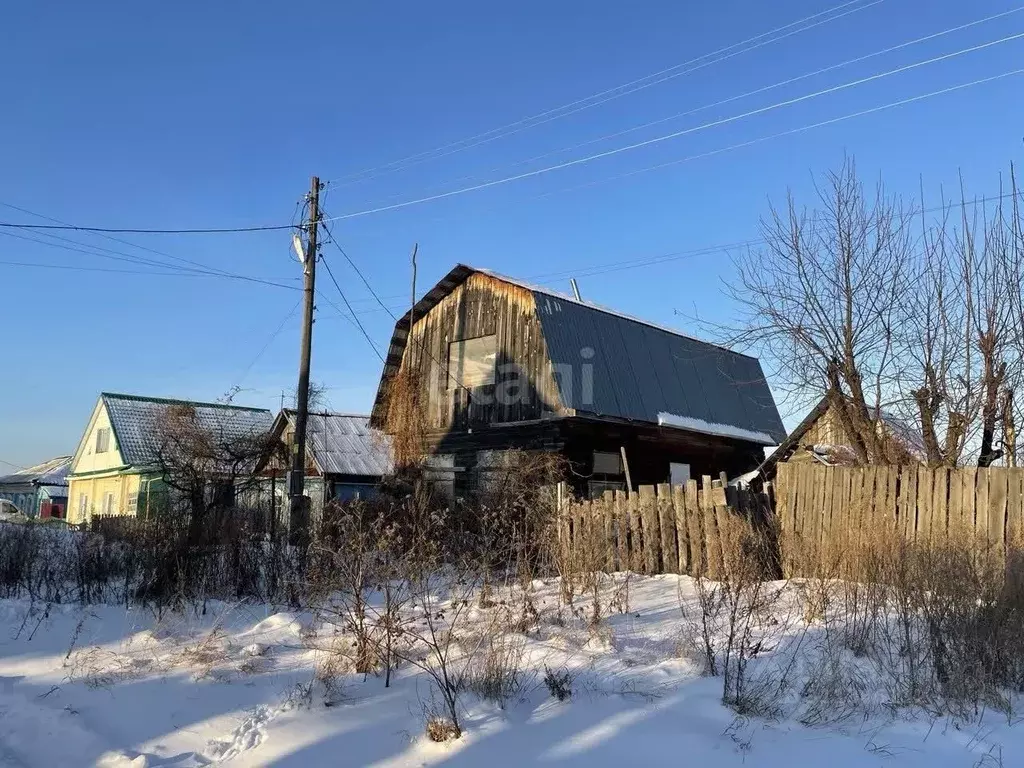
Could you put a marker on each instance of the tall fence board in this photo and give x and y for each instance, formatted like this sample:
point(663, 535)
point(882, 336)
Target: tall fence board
point(815, 503)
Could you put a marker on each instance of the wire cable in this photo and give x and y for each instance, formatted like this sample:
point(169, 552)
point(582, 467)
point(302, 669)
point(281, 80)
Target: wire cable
point(738, 97)
point(354, 316)
point(676, 134)
point(600, 97)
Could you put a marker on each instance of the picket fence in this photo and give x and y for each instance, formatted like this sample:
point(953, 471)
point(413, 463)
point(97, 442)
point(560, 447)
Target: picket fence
point(658, 529)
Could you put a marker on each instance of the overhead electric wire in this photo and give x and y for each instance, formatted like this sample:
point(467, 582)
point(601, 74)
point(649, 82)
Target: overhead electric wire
point(142, 231)
point(355, 317)
point(677, 134)
point(266, 346)
point(602, 96)
point(170, 270)
point(793, 131)
point(738, 97)
point(105, 236)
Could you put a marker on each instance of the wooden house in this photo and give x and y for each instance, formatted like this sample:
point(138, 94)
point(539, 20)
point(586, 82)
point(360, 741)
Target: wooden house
point(115, 470)
point(821, 438)
point(499, 364)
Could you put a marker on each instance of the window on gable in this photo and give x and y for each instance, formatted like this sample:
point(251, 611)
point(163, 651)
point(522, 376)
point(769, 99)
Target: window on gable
point(471, 362)
point(102, 440)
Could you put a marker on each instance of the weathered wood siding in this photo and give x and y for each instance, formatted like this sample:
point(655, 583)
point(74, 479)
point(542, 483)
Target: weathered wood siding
point(524, 387)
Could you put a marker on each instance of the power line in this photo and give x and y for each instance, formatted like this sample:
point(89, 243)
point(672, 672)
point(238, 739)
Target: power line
point(738, 97)
point(355, 317)
point(172, 270)
point(137, 231)
point(358, 271)
point(266, 346)
point(12, 464)
point(675, 134)
point(605, 95)
point(793, 131)
point(147, 249)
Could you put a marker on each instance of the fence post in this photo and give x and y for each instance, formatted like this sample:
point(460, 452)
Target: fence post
point(712, 542)
point(666, 516)
point(694, 526)
point(682, 533)
point(651, 535)
point(607, 519)
point(621, 502)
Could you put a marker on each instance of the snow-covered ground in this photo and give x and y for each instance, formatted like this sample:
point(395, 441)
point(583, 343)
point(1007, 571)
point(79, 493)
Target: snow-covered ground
point(109, 686)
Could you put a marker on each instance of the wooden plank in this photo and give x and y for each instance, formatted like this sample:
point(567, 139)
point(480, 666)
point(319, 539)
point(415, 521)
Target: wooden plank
point(925, 476)
point(636, 552)
point(621, 530)
point(997, 493)
point(940, 502)
point(649, 525)
point(1015, 508)
point(980, 531)
point(712, 543)
point(956, 504)
point(667, 519)
point(682, 532)
point(608, 519)
point(694, 530)
point(969, 501)
point(828, 482)
point(889, 511)
point(855, 517)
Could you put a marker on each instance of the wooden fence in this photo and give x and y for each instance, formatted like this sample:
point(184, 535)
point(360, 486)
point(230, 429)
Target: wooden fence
point(658, 529)
point(815, 503)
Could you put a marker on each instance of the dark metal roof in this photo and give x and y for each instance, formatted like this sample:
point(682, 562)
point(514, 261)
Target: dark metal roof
point(640, 371)
point(344, 444)
point(646, 373)
point(52, 472)
point(135, 421)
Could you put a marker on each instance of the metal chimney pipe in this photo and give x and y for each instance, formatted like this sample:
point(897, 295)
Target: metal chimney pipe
point(575, 288)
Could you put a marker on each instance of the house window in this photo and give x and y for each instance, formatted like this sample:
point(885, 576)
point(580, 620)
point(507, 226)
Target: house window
point(607, 463)
point(83, 505)
point(471, 362)
point(102, 440)
point(678, 474)
point(133, 503)
point(108, 503)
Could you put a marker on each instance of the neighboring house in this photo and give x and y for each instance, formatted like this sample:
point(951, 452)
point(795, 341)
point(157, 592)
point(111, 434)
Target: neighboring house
point(345, 458)
point(501, 364)
point(821, 438)
point(39, 491)
point(115, 469)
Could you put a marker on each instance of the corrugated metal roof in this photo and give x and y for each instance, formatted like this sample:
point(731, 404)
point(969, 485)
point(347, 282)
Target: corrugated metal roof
point(135, 421)
point(344, 444)
point(639, 369)
point(52, 472)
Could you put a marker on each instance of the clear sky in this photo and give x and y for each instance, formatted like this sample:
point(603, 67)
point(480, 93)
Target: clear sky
point(189, 114)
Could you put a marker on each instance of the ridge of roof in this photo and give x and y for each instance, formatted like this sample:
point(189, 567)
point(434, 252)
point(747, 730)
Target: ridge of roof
point(173, 401)
point(600, 308)
point(339, 414)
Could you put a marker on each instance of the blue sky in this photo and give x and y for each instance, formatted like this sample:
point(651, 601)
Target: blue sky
point(195, 114)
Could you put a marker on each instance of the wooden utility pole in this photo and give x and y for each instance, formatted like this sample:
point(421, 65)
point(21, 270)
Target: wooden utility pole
point(298, 520)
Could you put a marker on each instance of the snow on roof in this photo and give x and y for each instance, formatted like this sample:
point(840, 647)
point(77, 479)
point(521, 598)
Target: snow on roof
point(135, 419)
point(52, 472)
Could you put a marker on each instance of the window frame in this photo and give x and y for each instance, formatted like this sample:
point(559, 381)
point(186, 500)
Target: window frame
point(83, 504)
point(103, 432)
point(108, 503)
point(618, 463)
point(459, 381)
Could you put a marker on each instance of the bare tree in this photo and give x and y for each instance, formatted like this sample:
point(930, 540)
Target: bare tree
point(821, 299)
point(927, 323)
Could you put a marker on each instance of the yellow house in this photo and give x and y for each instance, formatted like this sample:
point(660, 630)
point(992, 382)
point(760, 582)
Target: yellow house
point(114, 469)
